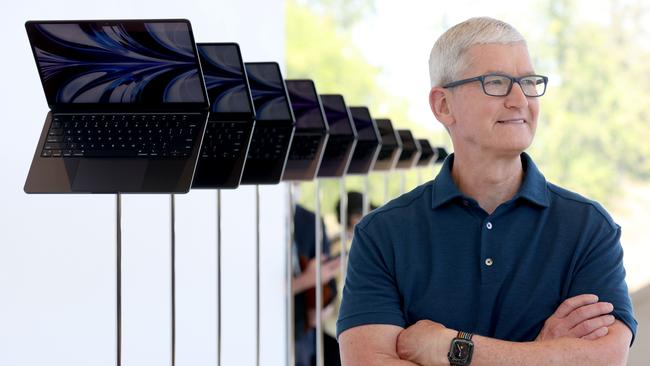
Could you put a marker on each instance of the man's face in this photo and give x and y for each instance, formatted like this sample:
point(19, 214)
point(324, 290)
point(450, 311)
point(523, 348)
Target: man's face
point(487, 124)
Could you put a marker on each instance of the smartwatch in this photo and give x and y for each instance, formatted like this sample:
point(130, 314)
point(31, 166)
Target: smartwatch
point(461, 350)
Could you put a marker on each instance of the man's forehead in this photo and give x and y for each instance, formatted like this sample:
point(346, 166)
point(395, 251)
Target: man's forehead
point(511, 58)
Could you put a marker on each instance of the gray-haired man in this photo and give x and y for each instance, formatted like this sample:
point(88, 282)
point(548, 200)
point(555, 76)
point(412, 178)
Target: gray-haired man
point(489, 247)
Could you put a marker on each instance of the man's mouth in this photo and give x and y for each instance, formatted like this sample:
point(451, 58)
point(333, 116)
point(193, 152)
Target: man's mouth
point(514, 121)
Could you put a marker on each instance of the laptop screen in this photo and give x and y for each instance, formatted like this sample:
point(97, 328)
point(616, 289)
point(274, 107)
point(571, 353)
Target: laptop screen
point(269, 94)
point(364, 123)
point(386, 131)
point(305, 104)
point(225, 78)
point(135, 62)
point(408, 143)
point(338, 117)
point(427, 152)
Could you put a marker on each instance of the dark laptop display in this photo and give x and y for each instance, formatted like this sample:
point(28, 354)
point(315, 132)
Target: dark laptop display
point(428, 154)
point(442, 155)
point(369, 143)
point(410, 150)
point(274, 128)
point(311, 134)
point(128, 106)
point(342, 140)
point(391, 146)
point(231, 119)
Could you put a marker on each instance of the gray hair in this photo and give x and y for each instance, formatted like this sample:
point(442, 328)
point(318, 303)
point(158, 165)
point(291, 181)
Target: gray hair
point(446, 61)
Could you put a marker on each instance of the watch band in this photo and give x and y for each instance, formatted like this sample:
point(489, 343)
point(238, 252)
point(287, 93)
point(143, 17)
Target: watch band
point(464, 335)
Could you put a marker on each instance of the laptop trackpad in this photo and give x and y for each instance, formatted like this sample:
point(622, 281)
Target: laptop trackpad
point(109, 175)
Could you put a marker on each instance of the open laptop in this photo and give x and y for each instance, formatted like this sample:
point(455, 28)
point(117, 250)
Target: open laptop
point(231, 119)
point(391, 146)
point(312, 131)
point(410, 150)
point(442, 155)
point(128, 106)
point(342, 140)
point(274, 126)
point(428, 155)
point(369, 143)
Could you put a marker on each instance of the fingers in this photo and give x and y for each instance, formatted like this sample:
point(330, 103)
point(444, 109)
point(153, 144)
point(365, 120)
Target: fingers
point(600, 332)
point(573, 303)
point(591, 326)
point(587, 312)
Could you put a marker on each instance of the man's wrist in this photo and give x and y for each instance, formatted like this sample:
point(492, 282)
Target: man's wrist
point(443, 346)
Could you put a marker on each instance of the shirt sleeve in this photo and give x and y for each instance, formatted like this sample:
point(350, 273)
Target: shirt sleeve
point(370, 295)
point(601, 272)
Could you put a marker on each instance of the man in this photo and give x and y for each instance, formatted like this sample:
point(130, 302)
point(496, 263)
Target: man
point(488, 264)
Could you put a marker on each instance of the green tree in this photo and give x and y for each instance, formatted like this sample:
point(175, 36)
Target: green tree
point(319, 46)
point(594, 126)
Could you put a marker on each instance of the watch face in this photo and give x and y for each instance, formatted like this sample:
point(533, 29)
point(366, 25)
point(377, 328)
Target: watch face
point(461, 351)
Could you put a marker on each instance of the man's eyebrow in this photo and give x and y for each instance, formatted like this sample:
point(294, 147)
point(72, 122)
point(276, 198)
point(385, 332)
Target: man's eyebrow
point(525, 73)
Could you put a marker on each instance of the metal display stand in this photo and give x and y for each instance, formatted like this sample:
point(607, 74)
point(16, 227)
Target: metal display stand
point(257, 274)
point(218, 277)
point(386, 192)
point(343, 211)
point(319, 287)
point(118, 279)
point(291, 342)
point(366, 191)
point(172, 201)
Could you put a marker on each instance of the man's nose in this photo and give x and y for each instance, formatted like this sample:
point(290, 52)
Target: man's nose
point(516, 98)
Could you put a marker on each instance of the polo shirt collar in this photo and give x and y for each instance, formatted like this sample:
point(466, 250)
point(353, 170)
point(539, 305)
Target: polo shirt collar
point(533, 188)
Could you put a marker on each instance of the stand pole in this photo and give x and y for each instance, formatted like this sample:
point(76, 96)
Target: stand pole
point(386, 193)
point(344, 230)
point(173, 278)
point(319, 287)
point(118, 279)
point(291, 342)
point(366, 190)
point(218, 277)
point(257, 274)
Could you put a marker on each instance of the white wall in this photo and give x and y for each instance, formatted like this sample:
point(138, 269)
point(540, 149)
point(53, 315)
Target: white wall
point(640, 352)
point(57, 252)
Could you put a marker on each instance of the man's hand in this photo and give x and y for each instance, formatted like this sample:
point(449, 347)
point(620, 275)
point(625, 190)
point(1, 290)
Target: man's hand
point(425, 343)
point(307, 278)
point(581, 316)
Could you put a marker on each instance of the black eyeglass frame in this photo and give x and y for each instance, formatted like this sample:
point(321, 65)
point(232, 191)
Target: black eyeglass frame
point(513, 80)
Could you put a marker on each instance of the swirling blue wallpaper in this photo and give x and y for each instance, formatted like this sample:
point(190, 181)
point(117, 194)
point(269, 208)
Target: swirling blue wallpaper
point(268, 92)
point(147, 63)
point(305, 105)
point(337, 114)
point(224, 78)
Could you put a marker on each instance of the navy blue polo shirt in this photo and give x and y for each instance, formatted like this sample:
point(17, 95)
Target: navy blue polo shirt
point(434, 254)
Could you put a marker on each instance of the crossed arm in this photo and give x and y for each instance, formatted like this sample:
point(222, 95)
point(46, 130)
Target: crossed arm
point(580, 332)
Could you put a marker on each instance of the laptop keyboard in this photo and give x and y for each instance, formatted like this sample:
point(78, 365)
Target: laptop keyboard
point(268, 143)
point(223, 140)
point(304, 147)
point(122, 135)
point(336, 148)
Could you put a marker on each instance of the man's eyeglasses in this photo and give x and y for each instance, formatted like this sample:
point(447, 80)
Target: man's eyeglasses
point(499, 85)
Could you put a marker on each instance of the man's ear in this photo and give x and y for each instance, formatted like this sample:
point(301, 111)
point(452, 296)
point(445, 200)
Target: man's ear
point(439, 103)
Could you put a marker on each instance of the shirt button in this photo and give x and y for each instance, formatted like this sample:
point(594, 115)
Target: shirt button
point(489, 262)
point(489, 225)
